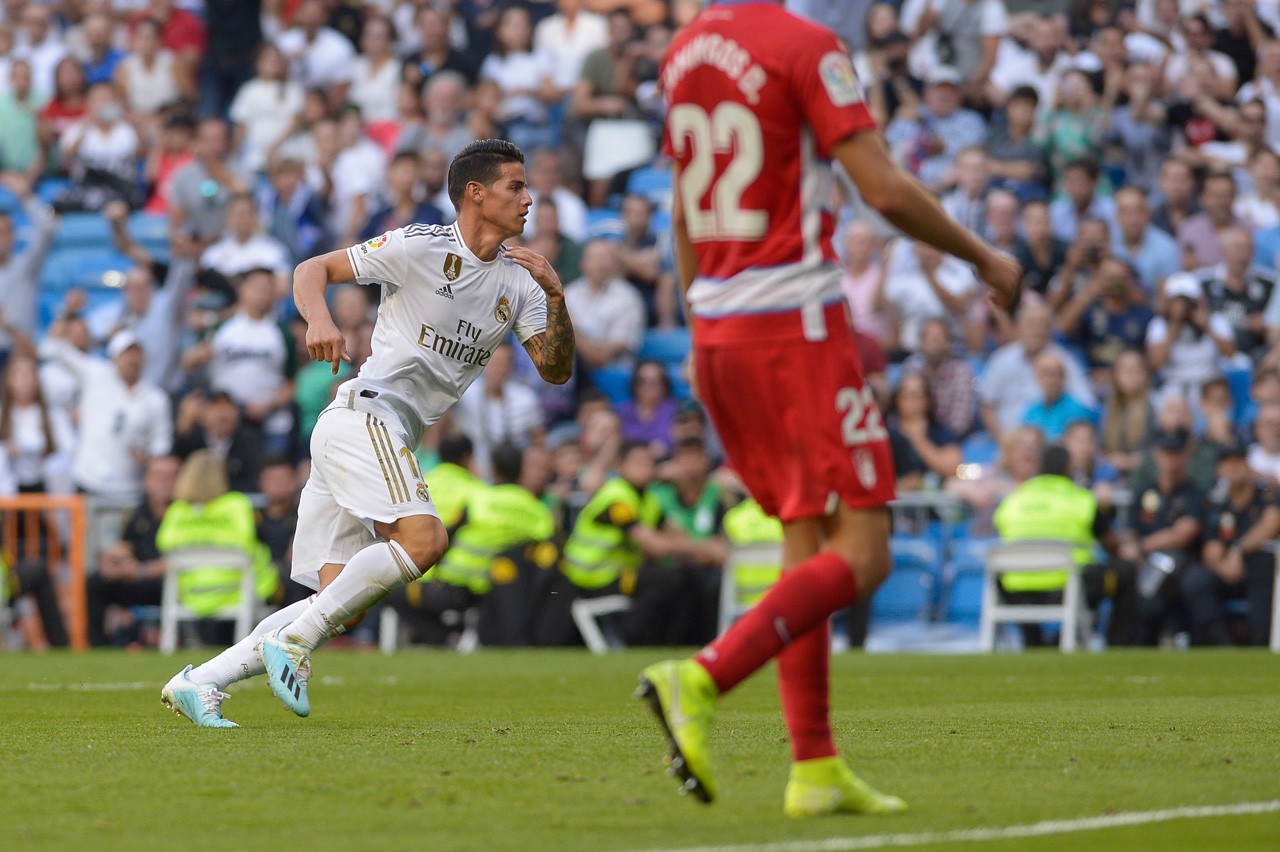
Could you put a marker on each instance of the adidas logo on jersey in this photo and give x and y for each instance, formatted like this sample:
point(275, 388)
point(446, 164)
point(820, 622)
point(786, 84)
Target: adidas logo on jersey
point(445, 291)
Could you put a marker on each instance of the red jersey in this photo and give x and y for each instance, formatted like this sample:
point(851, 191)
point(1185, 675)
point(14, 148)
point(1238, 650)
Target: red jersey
point(758, 96)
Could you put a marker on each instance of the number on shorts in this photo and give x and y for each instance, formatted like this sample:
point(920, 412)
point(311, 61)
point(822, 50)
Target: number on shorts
point(862, 423)
point(730, 129)
point(413, 462)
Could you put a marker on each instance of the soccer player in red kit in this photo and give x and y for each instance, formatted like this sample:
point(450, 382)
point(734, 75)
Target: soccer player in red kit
point(760, 102)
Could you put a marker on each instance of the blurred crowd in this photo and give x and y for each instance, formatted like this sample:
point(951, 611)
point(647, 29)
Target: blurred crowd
point(1125, 153)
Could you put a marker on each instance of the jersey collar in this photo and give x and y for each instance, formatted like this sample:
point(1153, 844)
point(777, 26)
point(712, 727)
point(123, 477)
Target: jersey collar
point(486, 264)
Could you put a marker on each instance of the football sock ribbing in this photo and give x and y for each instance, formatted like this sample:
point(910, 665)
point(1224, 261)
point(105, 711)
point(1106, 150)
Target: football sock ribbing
point(369, 577)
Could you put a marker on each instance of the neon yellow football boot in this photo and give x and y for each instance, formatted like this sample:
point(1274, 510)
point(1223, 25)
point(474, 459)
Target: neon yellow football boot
point(682, 697)
point(828, 786)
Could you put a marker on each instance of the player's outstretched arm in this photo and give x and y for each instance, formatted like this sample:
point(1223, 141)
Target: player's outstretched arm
point(553, 350)
point(310, 280)
point(902, 200)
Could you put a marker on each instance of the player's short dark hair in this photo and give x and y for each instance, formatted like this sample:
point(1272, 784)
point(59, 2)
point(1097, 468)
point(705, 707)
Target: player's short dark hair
point(456, 449)
point(480, 162)
point(1026, 93)
point(507, 460)
point(1055, 461)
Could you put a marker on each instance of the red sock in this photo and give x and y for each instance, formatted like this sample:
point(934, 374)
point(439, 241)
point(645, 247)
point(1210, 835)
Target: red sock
point(804, 598)
point(803, 684)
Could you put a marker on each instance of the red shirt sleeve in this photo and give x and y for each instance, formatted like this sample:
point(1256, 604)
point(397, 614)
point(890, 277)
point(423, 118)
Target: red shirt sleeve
point(184, 31)
point(828, 92)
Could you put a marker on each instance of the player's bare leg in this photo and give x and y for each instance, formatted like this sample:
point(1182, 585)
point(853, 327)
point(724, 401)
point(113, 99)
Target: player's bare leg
point(853, 560)
point(410, 546)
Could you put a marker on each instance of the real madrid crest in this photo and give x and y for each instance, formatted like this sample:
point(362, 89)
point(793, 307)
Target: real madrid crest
point(452, 266)
point(502, 312)
point(422, 492)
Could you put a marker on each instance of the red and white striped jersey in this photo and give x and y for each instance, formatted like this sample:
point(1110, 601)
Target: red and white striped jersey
point(757, 97)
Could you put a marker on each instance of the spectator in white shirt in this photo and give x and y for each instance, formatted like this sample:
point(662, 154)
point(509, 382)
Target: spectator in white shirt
point(320, 57)
point(1264, 454)
point(546, 178)
point(567, 37)
point(922, 283)
point(1185, 341)
point(102, 150)
point(245, 247)
point(40, 45)
point(376, 78)
point(124, 419)
point(251, 358)
point(146, 75)
point(497, 409)
point(265, 108)
point(38, 439)
point(523, 79)
point(348, 174)
point(608, 313)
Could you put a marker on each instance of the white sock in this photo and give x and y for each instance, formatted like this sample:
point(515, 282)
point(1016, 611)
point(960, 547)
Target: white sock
point(370, 576)
point(240, 661)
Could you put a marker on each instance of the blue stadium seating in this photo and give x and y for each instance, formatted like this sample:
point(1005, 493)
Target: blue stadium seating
point(980, 448)
point(653, 183)
point(604, 224)
point(613, 382)
point(51, 189)
point(49, 303)
point(82, 267)
point(670, 346)
point(83, 230)
point(962, 601)
point(908, 595)
point(915, 554)
point(1239, 379)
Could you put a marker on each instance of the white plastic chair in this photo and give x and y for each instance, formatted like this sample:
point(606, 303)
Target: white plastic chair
point(189, 558)
point(731, 606)
point(1275, 608)
point(1033, 556)
point(586, 611)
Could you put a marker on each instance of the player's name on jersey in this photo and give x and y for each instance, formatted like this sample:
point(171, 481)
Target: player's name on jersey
point(457, 348)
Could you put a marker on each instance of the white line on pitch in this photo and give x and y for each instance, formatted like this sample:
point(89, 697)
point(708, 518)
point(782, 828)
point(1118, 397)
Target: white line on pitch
point(969, 835)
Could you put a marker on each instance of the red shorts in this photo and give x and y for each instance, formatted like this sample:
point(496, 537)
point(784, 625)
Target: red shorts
point(797, 422)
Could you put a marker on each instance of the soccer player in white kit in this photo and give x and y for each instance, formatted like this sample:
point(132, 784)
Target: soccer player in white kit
point(366, 523)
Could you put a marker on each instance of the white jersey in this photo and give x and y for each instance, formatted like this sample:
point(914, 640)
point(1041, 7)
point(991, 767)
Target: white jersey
point(443, 312)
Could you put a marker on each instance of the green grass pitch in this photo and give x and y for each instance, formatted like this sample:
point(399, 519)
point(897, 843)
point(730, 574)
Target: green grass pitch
point(544, 750)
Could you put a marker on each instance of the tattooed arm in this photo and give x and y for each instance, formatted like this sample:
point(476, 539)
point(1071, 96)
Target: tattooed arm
point(552, 351)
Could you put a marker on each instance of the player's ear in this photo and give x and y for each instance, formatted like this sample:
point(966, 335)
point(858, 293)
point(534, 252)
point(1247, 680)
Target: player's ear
point(475, 191)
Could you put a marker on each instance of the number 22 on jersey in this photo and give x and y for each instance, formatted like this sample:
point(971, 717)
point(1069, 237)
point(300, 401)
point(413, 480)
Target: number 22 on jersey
point(730, 129)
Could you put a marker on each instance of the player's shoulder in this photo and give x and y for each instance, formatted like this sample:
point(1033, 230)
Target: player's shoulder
point(433, 233)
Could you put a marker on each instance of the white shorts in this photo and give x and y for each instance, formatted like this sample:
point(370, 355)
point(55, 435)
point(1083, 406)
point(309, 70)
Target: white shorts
point(361, 472)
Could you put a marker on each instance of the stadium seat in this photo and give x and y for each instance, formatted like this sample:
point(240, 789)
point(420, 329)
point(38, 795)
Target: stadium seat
point(9, 203)
point(653, 183)
point(613, 382)
point(1034, 555)
point(679, 387)
point(1239, 379)
point(733, 601)
point(670, 346)
point(83, 231)
point(49, 303)
point(190, 558)
point(962, 601)
point(84, 267)
point(906, 596)
point(604, 224)
point(910, 553)
point(980, 448)
point(51, 189)
point(586, 611)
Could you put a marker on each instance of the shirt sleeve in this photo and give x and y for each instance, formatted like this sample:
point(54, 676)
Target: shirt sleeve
point(828, 92)
point(532, 319)
point(382, 259)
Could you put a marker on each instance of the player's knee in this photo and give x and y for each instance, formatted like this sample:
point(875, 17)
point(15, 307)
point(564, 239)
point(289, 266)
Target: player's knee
point(870, 563)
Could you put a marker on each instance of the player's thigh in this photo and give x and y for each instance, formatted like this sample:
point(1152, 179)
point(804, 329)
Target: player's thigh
point(327, 534)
